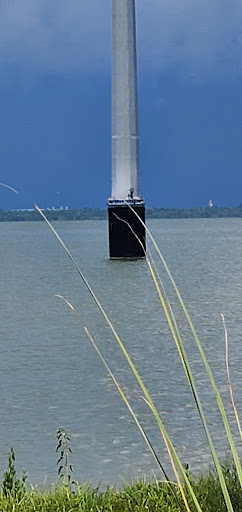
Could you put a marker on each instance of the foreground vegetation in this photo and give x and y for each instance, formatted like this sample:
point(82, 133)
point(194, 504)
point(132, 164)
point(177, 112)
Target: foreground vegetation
point(217, 492)
point(220, 490)
point(138, 497)
point(101, 214)
point(16, 495)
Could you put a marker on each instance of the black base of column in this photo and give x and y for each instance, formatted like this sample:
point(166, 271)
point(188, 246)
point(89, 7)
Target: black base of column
point(123, 226)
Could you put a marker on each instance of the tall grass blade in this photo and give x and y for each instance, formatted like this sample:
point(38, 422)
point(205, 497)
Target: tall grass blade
point(148, 442)
point(9, 187)
point(132, 231)
point(166, 438)
point(228, 376)
point(204, 359)
point(188, 372)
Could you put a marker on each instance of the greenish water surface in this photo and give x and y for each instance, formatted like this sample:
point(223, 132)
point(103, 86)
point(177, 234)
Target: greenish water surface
point(50, 375)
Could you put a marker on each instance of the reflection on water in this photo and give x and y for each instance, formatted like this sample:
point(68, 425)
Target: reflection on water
point(51, 376)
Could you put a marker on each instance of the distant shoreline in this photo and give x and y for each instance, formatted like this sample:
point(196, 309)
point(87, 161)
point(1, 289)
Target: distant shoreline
point(101, 214)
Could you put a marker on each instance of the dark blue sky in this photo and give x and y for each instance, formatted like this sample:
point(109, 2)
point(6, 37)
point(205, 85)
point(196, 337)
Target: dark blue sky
point(55, 103)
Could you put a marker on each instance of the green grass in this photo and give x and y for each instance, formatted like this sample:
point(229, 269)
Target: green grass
point(138, 497)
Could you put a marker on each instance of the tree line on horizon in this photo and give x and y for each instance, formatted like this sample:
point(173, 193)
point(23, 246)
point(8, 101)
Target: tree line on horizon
point(101, 214)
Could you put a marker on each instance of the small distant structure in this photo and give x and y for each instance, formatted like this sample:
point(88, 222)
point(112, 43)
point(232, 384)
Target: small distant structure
point(210, 203)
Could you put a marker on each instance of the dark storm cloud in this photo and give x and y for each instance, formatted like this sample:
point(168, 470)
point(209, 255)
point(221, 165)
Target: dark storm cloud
point(202, 37)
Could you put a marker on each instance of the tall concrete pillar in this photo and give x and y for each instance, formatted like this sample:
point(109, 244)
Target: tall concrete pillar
point(126, 233)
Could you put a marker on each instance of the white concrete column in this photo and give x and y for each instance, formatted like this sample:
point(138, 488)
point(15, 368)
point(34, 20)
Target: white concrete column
point(125, 137)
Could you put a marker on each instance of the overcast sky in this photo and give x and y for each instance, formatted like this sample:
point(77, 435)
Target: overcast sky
point(55, 102)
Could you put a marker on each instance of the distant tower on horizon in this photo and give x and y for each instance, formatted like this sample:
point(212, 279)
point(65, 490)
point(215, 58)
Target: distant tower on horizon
point(123, 222)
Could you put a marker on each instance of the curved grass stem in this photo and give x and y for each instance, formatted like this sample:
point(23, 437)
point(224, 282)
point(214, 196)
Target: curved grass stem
point(228, 376)
point(165, 436)
point(182, 353)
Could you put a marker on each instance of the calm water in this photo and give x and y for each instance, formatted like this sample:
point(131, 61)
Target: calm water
point(51, 376)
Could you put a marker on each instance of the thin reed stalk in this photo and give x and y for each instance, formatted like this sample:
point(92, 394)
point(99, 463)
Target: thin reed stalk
point(188, 372)
point(228, 377)
point(148, 442)
point(182, 354)
point(175, 460)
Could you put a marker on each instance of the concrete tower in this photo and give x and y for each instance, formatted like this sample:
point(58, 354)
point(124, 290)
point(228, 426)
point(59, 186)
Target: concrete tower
point(126, 233)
